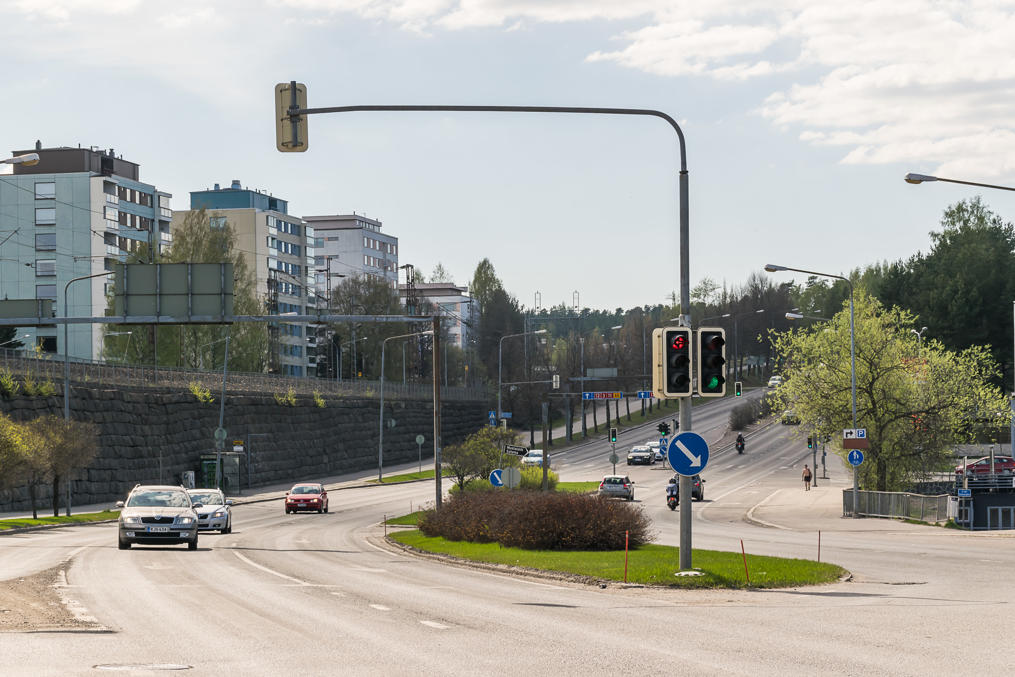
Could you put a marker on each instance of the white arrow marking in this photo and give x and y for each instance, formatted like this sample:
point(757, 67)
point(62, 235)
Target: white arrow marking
point(695, 460)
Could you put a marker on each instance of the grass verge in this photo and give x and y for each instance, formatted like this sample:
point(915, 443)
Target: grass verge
point(650, 564)
point(73, 519)
point(412, 519)
point(578, 487)
point(407, 477)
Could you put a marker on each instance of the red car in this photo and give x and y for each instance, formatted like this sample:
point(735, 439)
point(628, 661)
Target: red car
point(306, 496)
point(1002, 465)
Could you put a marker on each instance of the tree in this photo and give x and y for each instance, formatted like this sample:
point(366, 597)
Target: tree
point(13, 453)
point(916, 401)
point(440, 274)
point(368, 295)
point(64, 446)
point(484, 283)
point(476, 456)
point(196, 240)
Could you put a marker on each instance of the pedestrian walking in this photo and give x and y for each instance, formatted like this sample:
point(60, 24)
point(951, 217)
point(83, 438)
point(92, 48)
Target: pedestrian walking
point(807, 478)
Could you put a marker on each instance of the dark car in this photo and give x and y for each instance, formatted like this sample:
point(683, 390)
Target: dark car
point(697, 488)
point(641, 454)
point(157, 515)
point(306, 496)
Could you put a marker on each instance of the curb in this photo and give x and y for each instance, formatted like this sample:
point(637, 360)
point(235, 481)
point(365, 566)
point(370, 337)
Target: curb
point(45, 527)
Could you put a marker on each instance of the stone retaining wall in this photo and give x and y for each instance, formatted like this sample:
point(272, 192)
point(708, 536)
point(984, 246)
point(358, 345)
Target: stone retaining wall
point(288, 443)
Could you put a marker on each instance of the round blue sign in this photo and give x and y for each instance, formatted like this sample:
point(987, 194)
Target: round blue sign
point(495, 478)
point(688, 453)
point(855, 457)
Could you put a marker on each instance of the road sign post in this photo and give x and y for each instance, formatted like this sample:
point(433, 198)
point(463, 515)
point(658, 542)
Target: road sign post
point(419, 443)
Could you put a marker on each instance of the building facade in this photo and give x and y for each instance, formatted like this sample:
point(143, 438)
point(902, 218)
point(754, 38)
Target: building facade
point(460, 311)
point(78, 212)
point(351, 245)
point(279, 249)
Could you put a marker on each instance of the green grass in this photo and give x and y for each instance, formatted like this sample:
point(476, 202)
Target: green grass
point(578, 487)
point(650, 564)
point(412, 519)
point(85, 517)
point(408, 477)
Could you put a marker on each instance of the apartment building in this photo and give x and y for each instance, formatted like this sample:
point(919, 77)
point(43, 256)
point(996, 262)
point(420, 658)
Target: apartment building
point(78, 212)
point(460, 311)
point(279, 249)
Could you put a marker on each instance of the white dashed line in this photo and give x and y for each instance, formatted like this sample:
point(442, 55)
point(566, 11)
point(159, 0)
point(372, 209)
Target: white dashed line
point(270, 571)
point(434, 624)
point(379, 607)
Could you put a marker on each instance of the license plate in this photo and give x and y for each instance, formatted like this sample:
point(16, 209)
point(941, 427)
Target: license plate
point(158, 530)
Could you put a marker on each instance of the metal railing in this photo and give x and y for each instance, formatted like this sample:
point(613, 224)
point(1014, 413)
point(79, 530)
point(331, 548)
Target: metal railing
point(896, 504)
point(46, 368)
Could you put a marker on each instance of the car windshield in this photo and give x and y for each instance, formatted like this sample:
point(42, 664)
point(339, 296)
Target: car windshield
point(159, 499)
point(535, 454)
point(207, 497)
point(613, 480)
point(306, 489)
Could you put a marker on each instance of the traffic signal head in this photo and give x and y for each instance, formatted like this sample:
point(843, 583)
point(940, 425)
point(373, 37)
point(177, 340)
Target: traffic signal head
point(738, 389)
point(663, 428)
point(711, 362)
point(810, 442)
point(677, 362)
point(613, 434)
point(290, 132)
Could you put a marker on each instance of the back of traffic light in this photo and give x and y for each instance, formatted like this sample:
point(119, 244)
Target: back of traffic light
point(711, 362)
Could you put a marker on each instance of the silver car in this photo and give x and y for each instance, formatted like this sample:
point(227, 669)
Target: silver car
point(641, 454)
point(617, 486)
point(157, 515)
point(214, 513)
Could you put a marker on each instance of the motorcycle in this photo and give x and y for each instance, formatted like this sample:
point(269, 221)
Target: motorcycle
point(740, 446)
point(672, 502)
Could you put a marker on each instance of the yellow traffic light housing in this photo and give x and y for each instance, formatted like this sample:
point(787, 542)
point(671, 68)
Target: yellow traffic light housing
point(290, 130)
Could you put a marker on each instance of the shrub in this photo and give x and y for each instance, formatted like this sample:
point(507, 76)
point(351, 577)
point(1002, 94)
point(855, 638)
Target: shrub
point(201, 393)
point(47, 388)
point(318, 399)
point(537, 520)
point(8, 386)
point(287, 400)
point(532, 478)
point(29, 385)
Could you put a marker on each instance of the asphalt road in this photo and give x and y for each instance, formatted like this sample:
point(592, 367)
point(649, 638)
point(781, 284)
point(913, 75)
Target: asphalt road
point(322, 595)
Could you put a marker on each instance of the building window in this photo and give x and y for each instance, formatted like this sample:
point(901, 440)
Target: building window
point(47, 344)
point(217, 221)
point(45, 191)
point(45, 216)
point(45, 291)
point(111, 214)
point(45, 267)
point(45, 242)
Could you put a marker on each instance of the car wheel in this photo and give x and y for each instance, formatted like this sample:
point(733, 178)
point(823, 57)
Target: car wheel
point(122, 544)
point(229, 527)
point(193, 544)
point(320, 510)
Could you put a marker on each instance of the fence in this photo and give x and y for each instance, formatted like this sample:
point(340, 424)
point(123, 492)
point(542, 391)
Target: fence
point(45, 368)
point(896, 504)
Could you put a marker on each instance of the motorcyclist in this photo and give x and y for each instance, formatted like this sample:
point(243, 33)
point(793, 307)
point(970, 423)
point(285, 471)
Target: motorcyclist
point(740, 441)
point(672, 489)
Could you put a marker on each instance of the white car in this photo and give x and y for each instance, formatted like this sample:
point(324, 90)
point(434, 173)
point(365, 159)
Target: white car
point(214, 513)
point(534, 457)
point(775, 382)
point(656, 449)
point(641, 454)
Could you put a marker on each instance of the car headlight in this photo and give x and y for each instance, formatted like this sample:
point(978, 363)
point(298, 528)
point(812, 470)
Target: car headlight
point(219, 513)
point(185, 520)
point(132, 519)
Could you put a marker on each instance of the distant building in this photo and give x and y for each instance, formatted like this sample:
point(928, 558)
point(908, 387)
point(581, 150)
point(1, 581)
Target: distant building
point(78, 212)
point(278, 248)
point(460, 310)
point(350, 245)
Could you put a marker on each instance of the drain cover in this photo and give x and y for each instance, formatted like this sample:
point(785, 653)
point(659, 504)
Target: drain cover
point(141, 666)
point(689, 573)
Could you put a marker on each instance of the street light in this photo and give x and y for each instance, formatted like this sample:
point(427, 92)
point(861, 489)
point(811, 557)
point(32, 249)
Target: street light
point(128, 334)
point(222, 408)
point(342, 345)
point(772, 268)
point(919, 336)
point(14, 340)
point(920, 178)
point(712, 317)
point(800, 316)
point(500, 349)
point(380, 435)
point(27, 160)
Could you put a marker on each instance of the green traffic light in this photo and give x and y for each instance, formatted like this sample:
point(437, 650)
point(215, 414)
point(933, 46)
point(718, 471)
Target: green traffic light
point(713, 382)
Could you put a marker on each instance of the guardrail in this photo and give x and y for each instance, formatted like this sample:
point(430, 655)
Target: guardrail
point(896, 504)
point(42, 369)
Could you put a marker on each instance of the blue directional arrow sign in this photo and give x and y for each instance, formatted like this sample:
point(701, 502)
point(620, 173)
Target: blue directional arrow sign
point(495, 478)
point(855, 457)
point(688, 453)
point(645, 395)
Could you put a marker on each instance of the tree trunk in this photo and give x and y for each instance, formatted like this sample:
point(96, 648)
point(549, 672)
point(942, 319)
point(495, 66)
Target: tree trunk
point(643, 408)
point(595, 418)
point(31, 498)
point(882, 478)
point(56, 495)
point(569, 430)
point(607, 413)
point(627, 403)
point(616, 411)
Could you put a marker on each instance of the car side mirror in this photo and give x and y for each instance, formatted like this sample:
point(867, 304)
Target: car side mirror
point(287, 493)
point(198, 505)
point(119, 504)
point(229, 501)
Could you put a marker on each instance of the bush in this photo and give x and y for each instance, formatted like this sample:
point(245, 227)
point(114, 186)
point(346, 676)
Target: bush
point(537, 520)
point(532, 478)
point(200, 392)
point(286, 400)
point(318, 399)
point(8, 386)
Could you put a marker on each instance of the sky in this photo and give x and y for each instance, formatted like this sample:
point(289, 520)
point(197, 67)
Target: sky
point(801, 119)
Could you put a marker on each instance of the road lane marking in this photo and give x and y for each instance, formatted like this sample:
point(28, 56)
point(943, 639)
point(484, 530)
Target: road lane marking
point(435, 624)
point(379, 607)
point(270, 571)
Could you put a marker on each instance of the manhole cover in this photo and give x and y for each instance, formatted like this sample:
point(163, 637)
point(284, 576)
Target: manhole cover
point(689, 573)
point(141, 666)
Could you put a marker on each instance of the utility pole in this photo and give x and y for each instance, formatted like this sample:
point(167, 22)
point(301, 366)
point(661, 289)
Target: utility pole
point(437, 407)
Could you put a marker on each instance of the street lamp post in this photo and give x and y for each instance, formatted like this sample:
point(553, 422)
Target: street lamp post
point(500, 349)
point(27, 160)
point(920, 178)
point(772, 268)
point(222, 408)
point(14, 340)
point(919, 336)
point(128, 334)
point(380, 430)
point(800, 316)
point(66, 352)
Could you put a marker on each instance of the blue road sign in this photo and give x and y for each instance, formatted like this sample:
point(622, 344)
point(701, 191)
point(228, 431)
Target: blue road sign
point(493, 418)
point(645, 395)
point(495, 478)
point(688, 453)
point(855, 457)
point(505, 414)
point(965, 493)
point(663, 444)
